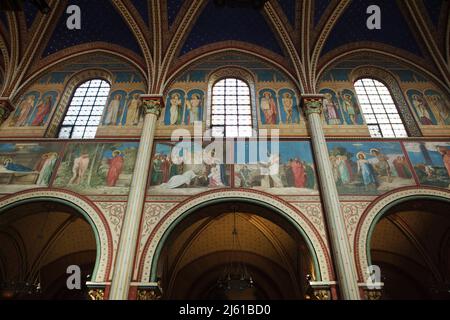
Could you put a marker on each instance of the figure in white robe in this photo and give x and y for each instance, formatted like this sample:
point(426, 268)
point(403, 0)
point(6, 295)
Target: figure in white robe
point(179, 180)
point(112, 111)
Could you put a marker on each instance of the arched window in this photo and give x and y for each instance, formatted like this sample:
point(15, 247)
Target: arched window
point(231, 112)
point(85, 110)
point(379, 109)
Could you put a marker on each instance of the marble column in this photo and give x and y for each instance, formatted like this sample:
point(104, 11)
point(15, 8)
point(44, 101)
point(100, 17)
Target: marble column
point(123, 267)
point(340, 245)
point(5, 109)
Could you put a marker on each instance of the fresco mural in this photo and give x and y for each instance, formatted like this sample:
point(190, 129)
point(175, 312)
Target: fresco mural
point(27, 165)
point(421, 108)
point(124, 109)
point(269, 112)
point(274, 97)
point(439, 106)
point(369, 168)
point(290, 170)
point(175, 108)
point(194, 107)
point(331, 107)
point(289, 106)
point(351, 110)
point(97, 168)
point(431, 162)
point(34, 109)
point(178, 168)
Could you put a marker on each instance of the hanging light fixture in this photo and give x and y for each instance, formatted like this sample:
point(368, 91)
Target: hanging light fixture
point(235, 276)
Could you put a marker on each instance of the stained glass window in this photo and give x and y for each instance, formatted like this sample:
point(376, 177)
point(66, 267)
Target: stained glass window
point(85, 110)
point(379, 109)
point(231, 114)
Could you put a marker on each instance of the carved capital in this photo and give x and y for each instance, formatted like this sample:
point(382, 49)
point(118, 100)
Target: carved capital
point(312, 104)
point(152, 104)
point(149, 294)
point(96, 294)
point(373, 294)
point(5, 109)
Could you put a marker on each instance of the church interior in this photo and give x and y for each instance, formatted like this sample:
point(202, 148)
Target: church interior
point(224, 150)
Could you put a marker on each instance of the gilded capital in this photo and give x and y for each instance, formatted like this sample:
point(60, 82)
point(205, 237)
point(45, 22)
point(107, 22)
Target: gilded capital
point(96, 294)
point(312, 104)
point(5, 109)
point(152, 104)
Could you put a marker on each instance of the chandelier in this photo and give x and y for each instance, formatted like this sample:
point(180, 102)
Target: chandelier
point(10, 290)
point(235, 276)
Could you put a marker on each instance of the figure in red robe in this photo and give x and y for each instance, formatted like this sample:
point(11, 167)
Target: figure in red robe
point(43, 110)
point(298, 171)
point(165, 167)
point(115, 168)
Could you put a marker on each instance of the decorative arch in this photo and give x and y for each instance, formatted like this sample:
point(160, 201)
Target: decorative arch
point(376, 211)
point(92, 214)
point(204, 52)
point(385, 51)
point(153, 246)
point(65, 56)
point(391, 83)
point(69, 90)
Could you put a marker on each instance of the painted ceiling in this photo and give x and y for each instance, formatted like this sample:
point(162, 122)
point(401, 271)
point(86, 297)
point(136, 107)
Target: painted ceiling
point(162, 34)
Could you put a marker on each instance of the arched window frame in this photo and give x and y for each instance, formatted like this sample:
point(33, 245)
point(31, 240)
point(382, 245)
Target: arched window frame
point(396, 92)
point(231, 72)
point(69, 91)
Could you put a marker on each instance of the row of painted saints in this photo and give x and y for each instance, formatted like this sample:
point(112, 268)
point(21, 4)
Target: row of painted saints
point(126, 109)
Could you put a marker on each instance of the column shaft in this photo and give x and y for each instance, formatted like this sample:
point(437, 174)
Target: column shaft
point(340, 245)
point(125, 257)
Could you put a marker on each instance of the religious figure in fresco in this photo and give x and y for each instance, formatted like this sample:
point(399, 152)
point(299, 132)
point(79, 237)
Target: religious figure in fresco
point(298, 173)
point(366, 170)
point(343, 168)
point(215, 176)
point(269, 108)
point(420, 105)
point(193, 106)
point(43, 110)
point(288, 104)
point(176, 112)
point(157, 172)
point(244, 175)
point(382, 167)
point(9, 164)
point(401, 167)
point(270, 170)
point(442, 110)
point(21, 116)
point(45, 168)
point(80, 166)
point(180, 180)
point(134, 114)
point(331, 112)
point(115, 168)
point(349, 107)
point(112, 111)
point(445, 153)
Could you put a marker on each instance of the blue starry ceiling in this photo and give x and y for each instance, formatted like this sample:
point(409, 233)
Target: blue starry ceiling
point(99, 22)
point(142, 7)
point(173, 7)
point(351, 27)
point(434, 10)
point(31, 12)
point(319, 8)
point(288, 7)
point(224, 23)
